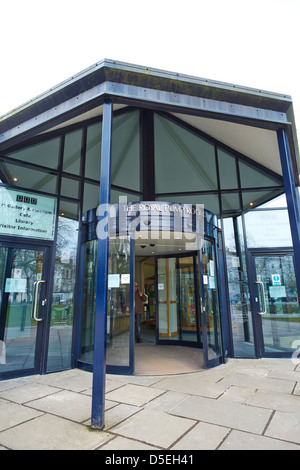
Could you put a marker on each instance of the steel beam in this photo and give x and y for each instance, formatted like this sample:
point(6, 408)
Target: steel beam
point(292, 197)
point(99, 364)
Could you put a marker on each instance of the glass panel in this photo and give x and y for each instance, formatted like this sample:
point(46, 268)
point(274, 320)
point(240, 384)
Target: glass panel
point(167, 299)
point(230, 202)
point(125, 166)
point(253, 199)
point(268, 229)
point(227, 170)
point(130, 197)
point(188, 310)
point(69, 188)
point(88, 307)
point(211, 300)
point(29, 178)
point(118, 319)
point(242, 330)
point(91, 197)
point(44, 154)
point(60, 344)
point(72, 152)
point(281, 324)
point(93, 151)
point(183, 161)
point(19, 269)
point(253, 178)
point(209, 201)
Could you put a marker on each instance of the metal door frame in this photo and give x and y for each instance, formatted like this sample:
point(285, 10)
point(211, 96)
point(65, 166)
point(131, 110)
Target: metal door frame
point(170, 342)
point(253, 288)
point(41, 350)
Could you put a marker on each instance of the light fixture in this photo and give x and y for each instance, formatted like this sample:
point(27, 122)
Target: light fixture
point(251, 203)
point(15, 179)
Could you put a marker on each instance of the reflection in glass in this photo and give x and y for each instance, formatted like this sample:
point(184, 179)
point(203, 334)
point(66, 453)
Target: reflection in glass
point(62, 311)
point(177, 308)
point(118, 303)
point(19, 270)
point(281, 323)
point(242, 331)
point(268, 229)
point(211, 302)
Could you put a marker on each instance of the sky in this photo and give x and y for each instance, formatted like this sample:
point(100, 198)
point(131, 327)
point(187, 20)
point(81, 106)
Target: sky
point(250, 43)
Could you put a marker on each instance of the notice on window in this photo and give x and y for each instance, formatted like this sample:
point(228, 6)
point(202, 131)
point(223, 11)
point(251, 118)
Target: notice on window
point(125, 278)
point(277, 291)
point(27, 215)
point(13, 286)
point(113, 281)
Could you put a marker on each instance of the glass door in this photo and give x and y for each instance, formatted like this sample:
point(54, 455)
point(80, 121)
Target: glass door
point(178, 300)
point(210, 311)
point(22, 308)
point(276, 304)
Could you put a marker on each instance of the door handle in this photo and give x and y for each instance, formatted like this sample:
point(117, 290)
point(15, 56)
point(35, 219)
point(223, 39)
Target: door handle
point(264, 298)
point(35, 301)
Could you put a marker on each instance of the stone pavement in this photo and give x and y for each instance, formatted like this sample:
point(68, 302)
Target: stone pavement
point(243, 404)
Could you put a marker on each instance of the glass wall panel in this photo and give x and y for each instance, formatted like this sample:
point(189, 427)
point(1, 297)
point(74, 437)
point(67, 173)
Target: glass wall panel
point(72, 152)
point(44, 154)
point(253, 178)
point(242, 330)
point(268, 229)
point(88, 305)
point(125, 170)
point(93, 151)
point(62, 311)
point(118, 317)
point(211, 302)
point(69, 188)
point(209, 201)
point(227, 170)
point(230, 201)
point(255, 199)
point(183, 161)
point(168, 326)
point(91, 197)
point(29, 179)
point(115, 195)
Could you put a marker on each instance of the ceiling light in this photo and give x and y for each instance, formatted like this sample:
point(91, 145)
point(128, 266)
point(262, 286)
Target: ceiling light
point(15, 179)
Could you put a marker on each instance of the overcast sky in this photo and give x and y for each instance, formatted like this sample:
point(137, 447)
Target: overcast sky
point(252, 43)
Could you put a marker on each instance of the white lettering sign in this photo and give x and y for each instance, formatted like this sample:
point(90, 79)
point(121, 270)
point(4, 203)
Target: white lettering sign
point(27, 215)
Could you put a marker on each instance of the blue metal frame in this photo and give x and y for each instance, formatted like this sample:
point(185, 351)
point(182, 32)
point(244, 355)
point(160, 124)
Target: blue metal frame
point(42, 327)
point(257, 319)
point(292, 197)
point(99, 368)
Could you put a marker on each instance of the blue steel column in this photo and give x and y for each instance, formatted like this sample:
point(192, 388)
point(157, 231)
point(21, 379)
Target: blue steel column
point(292, 197)
point(99, 365)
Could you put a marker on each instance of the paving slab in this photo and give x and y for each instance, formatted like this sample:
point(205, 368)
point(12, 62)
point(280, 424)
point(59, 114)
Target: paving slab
point(275, 401)
point(133, 394)
point(13, 414)
point(223, 413)
point(194, 385)
point(238, 440)
point(122, 443)
point(49, 432)
point(154, 427)
point(203, 436)
point(28, 392)
point(262, 383)
point(285, 426)
point(69, 405)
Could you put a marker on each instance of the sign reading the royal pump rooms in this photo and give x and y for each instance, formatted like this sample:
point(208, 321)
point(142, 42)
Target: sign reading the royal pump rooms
point(27, 215)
